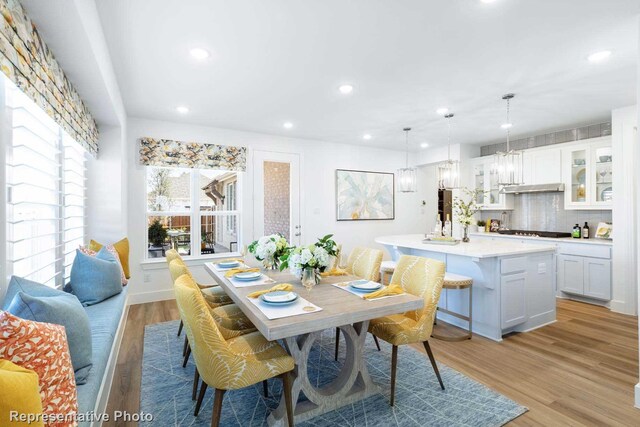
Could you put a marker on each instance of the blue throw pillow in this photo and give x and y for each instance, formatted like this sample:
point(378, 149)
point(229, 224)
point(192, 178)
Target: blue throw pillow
point(94, 279)
point(62, 309)
point(29, 287)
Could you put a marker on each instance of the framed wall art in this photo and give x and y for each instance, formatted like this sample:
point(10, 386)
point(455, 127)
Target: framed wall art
point(364, 195)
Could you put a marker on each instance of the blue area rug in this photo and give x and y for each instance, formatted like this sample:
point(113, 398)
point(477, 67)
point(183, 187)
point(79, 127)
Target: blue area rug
point(166, 390)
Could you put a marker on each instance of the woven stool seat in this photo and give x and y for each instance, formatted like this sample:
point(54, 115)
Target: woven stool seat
point(454, 281)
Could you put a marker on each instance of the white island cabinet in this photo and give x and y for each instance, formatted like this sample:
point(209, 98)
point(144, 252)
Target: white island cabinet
point(514, 284)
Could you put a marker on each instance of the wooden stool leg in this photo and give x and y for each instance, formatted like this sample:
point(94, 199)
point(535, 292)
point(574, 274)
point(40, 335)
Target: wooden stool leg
point(203, 390)
point(196, 380)
point(217, 408)
point(337, 343)
point(394, 364)
point(433, 362)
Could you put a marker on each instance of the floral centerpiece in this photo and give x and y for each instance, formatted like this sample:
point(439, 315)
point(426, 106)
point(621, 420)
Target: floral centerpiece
point(269, 249)
point(310, 260)
point(464, 211)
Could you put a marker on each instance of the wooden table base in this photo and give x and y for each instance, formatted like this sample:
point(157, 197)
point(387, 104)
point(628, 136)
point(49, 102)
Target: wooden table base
point(353, 383)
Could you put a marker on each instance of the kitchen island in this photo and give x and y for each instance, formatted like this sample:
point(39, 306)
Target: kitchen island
point(514, 283)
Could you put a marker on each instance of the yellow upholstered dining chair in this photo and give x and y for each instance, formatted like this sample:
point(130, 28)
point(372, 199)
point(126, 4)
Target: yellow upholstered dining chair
point(365, 264)
point(424, 278)
point(230, 318)
point(229, 364)
point(212, 293)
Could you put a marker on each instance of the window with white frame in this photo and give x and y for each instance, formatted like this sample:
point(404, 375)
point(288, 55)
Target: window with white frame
point(193, 211)
point(46, 185)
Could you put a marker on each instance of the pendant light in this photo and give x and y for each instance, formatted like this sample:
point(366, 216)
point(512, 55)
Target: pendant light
point(449, 170)
point(508, 164)
point(407, 177)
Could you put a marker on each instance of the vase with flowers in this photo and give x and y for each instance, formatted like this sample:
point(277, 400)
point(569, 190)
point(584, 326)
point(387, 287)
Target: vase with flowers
point(269, 249)
point(465, 210)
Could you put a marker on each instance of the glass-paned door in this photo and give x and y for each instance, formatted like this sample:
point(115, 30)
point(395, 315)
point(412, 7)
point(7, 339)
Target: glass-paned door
point(277, 195)
point(603, 174)
point(579, 186)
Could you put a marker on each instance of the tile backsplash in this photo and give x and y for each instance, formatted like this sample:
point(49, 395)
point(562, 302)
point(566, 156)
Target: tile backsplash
point(546, 212)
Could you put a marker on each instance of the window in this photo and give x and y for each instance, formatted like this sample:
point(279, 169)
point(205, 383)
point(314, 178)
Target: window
point(45, 172)
point(192, 211)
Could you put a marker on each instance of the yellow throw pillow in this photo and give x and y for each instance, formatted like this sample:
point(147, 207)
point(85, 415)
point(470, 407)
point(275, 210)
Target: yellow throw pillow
point(19, 392)
point(122, 247)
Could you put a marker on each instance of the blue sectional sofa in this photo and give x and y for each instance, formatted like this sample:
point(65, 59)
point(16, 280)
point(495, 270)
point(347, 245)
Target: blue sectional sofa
point(105, 319)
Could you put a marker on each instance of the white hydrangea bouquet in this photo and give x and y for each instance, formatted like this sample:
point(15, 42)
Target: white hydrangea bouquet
point(269, 249)
point(315, 257)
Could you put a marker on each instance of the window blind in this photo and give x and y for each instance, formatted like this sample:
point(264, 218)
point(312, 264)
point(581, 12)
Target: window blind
point(45, 193)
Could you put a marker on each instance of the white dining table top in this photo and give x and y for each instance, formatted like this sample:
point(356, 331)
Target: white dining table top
point(339, 307)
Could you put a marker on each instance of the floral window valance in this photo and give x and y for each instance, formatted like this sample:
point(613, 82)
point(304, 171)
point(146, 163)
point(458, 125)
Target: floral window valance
point(29, 63)
point(165, 152)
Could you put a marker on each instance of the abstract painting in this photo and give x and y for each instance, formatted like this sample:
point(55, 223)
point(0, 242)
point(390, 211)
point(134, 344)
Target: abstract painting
point(363, 195)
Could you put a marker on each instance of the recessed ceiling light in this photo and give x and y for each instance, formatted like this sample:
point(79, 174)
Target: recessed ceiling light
point(345, 89)
point(442, 111)
point(424, 145)
point(506, 125)
point(287, 125)
point(182, 109)
point(199, 53)
point(599, 56)
point(366, 136)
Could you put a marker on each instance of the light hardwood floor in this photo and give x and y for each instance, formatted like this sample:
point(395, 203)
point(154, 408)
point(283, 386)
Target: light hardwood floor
point(579, 371)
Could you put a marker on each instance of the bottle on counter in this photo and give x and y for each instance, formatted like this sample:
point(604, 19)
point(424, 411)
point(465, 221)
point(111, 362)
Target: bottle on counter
point(447, 227)
point(577, 231)
point(585, 231)
point(437, 230)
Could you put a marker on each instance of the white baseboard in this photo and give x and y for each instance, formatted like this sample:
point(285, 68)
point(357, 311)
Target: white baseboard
point(637, 388)
point(144, 297)
point(622, 308)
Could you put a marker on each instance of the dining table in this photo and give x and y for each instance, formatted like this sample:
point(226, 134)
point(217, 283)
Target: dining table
point(336, 308)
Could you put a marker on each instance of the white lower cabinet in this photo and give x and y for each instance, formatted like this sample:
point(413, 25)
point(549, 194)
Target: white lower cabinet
point(585, 276)
point(597, 278)
point(513, 295)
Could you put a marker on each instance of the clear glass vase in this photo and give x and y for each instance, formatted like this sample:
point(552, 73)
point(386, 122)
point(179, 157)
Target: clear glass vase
point(310, 278)
point(465, 236)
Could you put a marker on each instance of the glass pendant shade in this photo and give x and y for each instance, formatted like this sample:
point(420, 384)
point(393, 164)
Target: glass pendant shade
point(509, 168)
point(407, 180)
point(407, 177)
point(449, 175)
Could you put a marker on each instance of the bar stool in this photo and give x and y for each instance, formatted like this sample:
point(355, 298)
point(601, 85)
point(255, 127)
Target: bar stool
point(387, 267)
point(457, 282)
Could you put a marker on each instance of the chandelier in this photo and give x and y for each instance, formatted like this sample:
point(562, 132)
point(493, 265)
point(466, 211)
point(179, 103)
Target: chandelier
point(508, 164)
point(449, 170)
point(407, 177)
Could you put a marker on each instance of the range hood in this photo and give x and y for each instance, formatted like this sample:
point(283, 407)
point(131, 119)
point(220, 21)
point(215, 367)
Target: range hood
point(538, 188)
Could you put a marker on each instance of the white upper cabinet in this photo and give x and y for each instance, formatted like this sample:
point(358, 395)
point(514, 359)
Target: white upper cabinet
point(587, 175)
point(542, 166)
point(485, 177)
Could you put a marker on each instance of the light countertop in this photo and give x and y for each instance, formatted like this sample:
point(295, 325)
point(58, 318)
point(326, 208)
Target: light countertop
point(602, 242)
point(476, 248)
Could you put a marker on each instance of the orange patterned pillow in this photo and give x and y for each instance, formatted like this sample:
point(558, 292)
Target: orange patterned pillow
point(42, 347)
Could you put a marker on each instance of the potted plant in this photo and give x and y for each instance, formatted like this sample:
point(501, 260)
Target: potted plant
point(157, 234)
point(482, 224)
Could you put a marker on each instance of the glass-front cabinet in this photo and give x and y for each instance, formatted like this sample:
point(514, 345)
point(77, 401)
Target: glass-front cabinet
point(485, 177)
point(587, 174)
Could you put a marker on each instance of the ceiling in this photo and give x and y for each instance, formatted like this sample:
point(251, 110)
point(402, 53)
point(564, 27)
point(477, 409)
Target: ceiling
point(283, 60)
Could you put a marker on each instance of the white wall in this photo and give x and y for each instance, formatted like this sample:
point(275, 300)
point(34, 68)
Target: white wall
point(319, 160)
point(636, 159)
point(624, 140)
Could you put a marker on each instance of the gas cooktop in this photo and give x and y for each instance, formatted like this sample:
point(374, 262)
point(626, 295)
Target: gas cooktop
point(530, 233)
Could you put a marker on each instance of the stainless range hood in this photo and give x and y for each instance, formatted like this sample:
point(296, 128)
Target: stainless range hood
point(538, 188)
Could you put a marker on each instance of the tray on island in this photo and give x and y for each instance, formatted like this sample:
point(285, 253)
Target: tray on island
point(441, 241)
